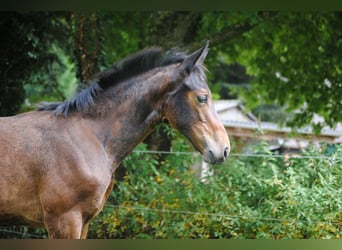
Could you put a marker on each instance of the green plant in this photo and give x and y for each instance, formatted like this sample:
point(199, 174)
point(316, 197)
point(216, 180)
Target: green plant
point(260, 197)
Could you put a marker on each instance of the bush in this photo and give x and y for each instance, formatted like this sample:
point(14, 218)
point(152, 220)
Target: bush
point(248, 197)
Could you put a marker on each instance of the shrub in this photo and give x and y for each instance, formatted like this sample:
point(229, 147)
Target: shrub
point(248, 197)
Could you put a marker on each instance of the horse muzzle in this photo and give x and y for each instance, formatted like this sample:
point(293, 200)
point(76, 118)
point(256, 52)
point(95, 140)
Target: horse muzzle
point(216, 156)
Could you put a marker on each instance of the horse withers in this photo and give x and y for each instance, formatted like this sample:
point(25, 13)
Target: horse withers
point(57, 163)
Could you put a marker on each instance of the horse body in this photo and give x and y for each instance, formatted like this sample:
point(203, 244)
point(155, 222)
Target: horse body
point(37, 184)
point(57, 164)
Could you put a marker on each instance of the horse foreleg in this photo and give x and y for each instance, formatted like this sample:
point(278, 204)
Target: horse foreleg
point(85, 230)
point(68, 225)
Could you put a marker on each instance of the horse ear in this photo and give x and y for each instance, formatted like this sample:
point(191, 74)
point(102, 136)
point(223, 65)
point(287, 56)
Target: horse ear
point(192, 60)
point(195, 58)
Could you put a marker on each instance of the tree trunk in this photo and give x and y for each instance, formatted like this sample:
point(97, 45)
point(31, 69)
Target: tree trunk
point(88, 45)
point(174, 28)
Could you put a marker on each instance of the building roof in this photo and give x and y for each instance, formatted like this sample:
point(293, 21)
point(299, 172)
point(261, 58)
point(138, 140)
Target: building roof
point(244, 124)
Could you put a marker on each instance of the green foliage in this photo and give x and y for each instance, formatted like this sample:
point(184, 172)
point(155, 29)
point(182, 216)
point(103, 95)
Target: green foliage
point(260, 197)
point(25, 51)
point(270, 113)
point(295, 59)
point(58, 83)
point(124, 33)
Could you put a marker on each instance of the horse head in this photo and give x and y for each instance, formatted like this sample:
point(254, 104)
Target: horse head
point(189, 108)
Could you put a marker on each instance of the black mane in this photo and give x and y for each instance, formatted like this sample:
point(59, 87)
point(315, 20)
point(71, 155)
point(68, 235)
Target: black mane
point(129, 67)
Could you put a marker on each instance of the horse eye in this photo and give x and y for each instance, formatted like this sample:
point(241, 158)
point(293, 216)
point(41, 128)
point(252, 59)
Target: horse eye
point(202, 99)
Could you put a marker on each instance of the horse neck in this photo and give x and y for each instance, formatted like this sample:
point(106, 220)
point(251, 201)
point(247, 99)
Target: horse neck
point(133, 110)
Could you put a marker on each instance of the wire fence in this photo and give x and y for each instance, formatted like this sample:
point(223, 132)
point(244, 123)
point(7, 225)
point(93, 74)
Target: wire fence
point(183, 212)
point(242, 217)
point(19, 233)
point(23, 233)
point(295, 155)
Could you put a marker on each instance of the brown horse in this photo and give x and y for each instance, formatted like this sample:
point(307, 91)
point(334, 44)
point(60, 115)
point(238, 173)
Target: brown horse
point(57, 163)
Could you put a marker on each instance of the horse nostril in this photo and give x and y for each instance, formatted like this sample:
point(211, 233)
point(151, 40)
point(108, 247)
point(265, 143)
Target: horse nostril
point(225, 153)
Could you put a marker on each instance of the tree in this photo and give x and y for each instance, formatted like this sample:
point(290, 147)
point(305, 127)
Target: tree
point(88, 39)
point(293, 58)
point(296, 60)
point(26, 51)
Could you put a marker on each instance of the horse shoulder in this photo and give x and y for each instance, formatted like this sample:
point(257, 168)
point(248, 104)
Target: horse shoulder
point(80, 173)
